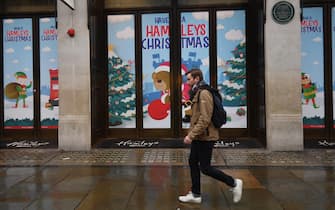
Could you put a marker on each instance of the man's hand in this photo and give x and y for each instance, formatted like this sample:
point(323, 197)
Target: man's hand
point(187, 140)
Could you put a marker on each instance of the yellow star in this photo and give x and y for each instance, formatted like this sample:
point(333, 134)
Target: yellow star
point(110, 47)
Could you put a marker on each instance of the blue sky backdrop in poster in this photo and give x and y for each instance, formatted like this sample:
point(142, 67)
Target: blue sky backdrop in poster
point(18, 69)
point(155, 45)
point(121, 37)
point(312, 67)
point(230, 32)
point(18, 56)
point(48, 61)
point(195, 41)
point(231, 79)
point(48, 49)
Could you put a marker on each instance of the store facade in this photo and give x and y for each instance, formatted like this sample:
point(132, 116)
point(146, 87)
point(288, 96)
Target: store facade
point(118, 70)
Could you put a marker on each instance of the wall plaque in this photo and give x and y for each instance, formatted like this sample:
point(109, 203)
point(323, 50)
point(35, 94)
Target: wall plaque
point(282, 12)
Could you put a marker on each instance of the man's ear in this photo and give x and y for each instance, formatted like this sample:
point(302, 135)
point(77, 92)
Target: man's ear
point(197, 78)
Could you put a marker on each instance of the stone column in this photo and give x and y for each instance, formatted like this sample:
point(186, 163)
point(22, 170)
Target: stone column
point(74, 131)
point(283, 81)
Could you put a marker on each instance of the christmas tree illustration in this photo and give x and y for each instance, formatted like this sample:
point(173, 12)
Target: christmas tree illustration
point(121, 91)
point(234, 86)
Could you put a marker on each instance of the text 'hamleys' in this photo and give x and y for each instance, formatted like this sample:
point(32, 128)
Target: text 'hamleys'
point(186, 30)
point(18, 33)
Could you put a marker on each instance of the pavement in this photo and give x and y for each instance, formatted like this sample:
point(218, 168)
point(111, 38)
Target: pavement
point(150, 179)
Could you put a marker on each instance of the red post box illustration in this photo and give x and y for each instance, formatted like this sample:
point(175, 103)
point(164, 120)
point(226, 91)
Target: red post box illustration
point(54, 89)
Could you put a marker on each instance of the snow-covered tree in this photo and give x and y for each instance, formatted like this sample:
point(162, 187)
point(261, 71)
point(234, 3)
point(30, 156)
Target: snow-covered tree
point(121, 91)
point(234, 86)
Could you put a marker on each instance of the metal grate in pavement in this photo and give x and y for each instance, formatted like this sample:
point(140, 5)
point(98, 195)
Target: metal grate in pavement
point(267, 158)
point(129, 157)
point(160, 156)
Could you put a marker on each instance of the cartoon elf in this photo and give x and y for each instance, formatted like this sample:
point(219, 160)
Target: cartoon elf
point(21, 88)
point(309, 89)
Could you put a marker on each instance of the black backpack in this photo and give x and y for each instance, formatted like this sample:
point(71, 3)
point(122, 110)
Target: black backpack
point(219, 116)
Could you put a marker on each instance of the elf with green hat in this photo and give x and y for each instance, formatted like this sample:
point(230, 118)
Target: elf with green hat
point(309, 89)
point(21, 88)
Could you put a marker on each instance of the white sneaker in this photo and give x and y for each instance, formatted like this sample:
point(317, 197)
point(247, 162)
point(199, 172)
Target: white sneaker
point(189, 198)
point(237, 190)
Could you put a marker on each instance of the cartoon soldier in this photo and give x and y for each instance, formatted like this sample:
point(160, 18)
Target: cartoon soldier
point(309, 89)
point(18, 90)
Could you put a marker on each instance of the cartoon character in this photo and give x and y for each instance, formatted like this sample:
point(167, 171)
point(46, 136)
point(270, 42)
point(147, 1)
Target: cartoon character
point(161, 79)
point(18, 90)
point(309, 89)
point(159, 108)
point(54, 90)
point(186, 101)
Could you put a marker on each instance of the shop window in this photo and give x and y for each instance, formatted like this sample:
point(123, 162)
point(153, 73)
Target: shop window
point(194, 52)
point(231, 66)
point(312, 68)
point(156, 70)
point(49, 86)
point(121, 72)
point(18, 73)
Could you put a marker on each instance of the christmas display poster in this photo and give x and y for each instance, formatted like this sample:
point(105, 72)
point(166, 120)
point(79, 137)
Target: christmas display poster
point(121, 72)
point(231, 66)
point(49, 84)
point(312, 68)
point(18, 73)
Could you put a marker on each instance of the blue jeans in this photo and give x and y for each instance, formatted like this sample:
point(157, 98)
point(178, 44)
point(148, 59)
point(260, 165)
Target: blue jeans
point(200, 160)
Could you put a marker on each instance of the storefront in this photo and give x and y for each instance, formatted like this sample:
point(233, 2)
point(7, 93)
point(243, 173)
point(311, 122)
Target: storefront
point(148, 48)
point(139, 51)
point(29, 72)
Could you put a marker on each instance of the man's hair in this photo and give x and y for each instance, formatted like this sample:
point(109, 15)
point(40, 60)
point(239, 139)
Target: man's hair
point(196, 73)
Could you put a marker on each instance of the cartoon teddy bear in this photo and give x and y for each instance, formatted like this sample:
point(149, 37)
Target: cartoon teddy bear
point(159, 109)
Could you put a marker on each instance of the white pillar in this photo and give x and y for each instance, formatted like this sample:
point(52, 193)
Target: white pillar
point(74, 131)
point(283, 81)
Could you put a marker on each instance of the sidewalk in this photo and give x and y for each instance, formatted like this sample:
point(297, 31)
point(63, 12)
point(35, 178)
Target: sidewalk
point(175, 157)
point(151, 179)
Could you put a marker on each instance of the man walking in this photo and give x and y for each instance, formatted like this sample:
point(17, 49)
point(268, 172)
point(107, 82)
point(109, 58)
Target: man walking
point(202, 136)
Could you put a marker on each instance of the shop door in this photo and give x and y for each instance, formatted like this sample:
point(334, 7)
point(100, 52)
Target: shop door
point(147, 60)
point(317, 76)
point(139, 75)
point(29, 77)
